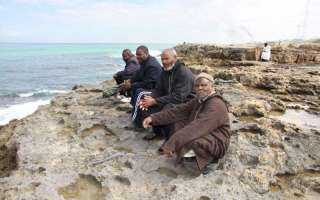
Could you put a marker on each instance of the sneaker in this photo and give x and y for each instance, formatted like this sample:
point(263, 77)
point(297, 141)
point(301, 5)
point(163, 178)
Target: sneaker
point(118, 96)
point(125, 100)
point(150, 136)
point(189, 154)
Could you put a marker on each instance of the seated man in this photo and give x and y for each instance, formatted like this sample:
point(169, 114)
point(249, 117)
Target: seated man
point(201, 125)
point(175, 87)
point(146, 77)
point(131, 67)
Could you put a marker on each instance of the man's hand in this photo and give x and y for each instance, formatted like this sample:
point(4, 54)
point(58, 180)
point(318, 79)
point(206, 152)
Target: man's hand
point(126, 85)
point(147, 102)
point(147, 122)
point(166, 151)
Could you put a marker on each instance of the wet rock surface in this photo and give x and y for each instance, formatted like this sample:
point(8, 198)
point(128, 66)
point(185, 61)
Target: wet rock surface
point(78, 147)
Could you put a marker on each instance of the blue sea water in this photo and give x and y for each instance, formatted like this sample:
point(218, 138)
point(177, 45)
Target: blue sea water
point(31, 74)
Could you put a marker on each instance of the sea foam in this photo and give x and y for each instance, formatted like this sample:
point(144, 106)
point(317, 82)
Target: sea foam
point(42, 92)
point(20, 111)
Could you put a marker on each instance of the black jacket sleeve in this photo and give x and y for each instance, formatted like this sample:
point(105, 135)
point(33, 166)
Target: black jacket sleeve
point(181, 88)
point(132, 66)
point(148, 75)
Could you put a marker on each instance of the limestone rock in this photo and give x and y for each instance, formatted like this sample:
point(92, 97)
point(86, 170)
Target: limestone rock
point(283, 52)
point(253, 108)
point(77, 147)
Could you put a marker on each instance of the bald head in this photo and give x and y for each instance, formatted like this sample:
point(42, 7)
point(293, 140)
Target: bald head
point(168, 58)
point(170, 52)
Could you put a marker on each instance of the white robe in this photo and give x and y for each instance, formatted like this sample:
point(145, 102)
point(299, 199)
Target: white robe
point(266, 53)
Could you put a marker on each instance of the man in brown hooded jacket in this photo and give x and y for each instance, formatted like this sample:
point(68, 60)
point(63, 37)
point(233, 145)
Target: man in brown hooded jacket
point(201, 125)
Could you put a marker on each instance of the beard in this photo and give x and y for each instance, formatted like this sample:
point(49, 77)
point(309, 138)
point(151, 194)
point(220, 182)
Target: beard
point(203, 96)
point(168, 68)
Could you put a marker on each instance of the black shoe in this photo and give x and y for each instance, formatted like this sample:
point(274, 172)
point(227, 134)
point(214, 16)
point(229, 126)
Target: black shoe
point(134, 127)
point(210, 167)
point(160, 151)
point(150, 136)
point(189, 159)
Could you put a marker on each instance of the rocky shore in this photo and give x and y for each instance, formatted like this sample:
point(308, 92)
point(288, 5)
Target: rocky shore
point(78, 147)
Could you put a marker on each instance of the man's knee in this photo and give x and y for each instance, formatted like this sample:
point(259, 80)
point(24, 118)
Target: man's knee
point(203, 145)
point(168, 106)
point(178, 125)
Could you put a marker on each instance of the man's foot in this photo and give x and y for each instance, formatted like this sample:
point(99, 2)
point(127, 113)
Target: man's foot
point(125, 99)
point(118, 96)
point(129, 111)
point(133, 127)
point(167, 152)
point(130, 126)
point(160, 150)
point(150, 136)
point(210, 167)
point(189, 159)
point(189, 154)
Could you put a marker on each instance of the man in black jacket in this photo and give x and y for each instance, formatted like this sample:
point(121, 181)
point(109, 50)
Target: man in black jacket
point(131, 67)
point(175, 87)
point(146, 77)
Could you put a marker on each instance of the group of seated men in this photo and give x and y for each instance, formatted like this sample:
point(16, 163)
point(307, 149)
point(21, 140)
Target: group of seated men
point(183, 108)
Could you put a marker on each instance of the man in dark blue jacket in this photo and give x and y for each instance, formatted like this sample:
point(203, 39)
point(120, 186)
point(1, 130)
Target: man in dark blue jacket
point(145, 78)
point(131, 67)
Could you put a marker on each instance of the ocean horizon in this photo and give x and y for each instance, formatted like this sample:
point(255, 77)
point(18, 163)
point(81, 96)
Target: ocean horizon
point(33, 73)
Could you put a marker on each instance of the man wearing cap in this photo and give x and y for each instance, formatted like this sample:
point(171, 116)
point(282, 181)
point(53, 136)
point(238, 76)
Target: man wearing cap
point(200, 125)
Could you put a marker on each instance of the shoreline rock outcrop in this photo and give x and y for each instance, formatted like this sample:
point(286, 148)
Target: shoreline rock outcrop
point(285, 52)
point(78, 147)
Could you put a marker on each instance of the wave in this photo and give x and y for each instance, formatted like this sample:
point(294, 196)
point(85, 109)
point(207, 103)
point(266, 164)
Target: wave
point(155, 53)
point(38, 93)
point(114, 65)
point(152, 52)
point(42, 93)
point(20, 111)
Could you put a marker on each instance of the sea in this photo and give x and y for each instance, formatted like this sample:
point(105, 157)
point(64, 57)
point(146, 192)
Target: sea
point(33, 73)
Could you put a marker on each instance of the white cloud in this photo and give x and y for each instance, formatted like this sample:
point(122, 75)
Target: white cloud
point(61, 3)
point(9, 34)
point(177, 20)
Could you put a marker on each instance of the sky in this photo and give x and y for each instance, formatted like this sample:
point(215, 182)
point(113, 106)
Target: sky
point(154, 21)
